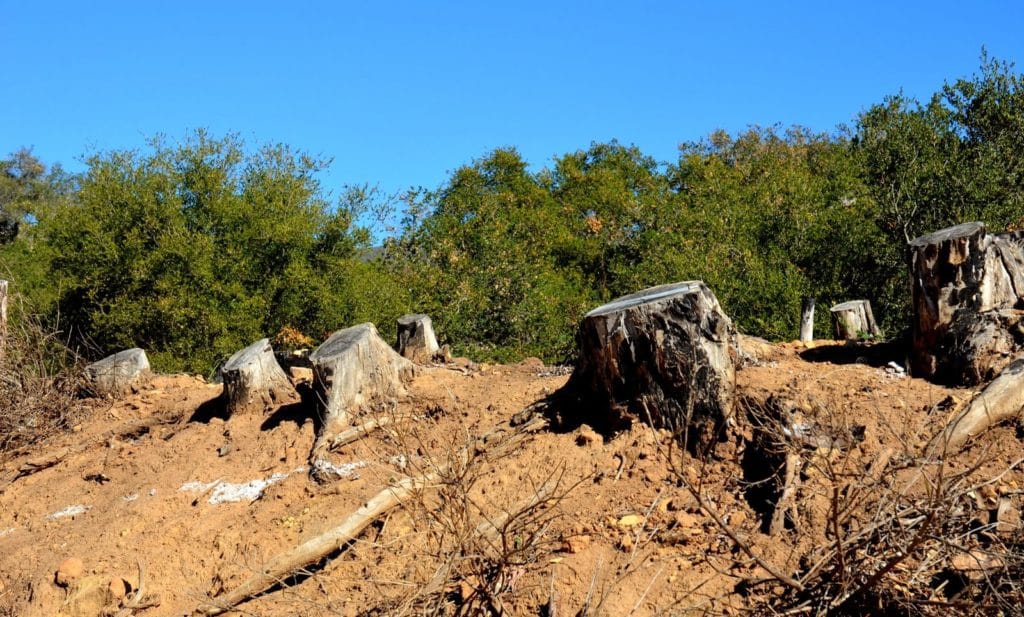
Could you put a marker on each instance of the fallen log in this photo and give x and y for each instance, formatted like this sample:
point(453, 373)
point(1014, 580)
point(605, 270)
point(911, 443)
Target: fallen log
point(416, 339)
point(254, 381)
point(666, 356)
point(494, 443)
point(1001, 400)
point(353, 370)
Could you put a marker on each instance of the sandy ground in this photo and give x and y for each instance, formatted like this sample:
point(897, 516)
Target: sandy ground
point(198, 502)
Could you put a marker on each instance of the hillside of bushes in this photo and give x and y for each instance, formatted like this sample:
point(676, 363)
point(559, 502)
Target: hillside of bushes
point(195, 247)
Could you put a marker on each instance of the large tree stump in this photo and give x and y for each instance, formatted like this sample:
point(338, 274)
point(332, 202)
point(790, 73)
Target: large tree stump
point(665, 355)
point(416, 340)
point(253, 380)
point(119, 373)
point(968, 289)
point(854, 319)
point(352, 370)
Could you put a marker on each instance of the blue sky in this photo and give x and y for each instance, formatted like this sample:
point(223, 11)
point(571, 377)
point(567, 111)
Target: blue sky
point(401, 93)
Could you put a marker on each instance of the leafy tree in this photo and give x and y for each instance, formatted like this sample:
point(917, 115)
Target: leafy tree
point(194, 250)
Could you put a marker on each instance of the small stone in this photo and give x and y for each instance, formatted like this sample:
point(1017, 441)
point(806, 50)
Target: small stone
point(576, 544)
point(69, 571)
point(737, 518)
point(630, 520)
point(627, 542)
point(300, 374)
point(586, 436)
point(1007, 516)
point(224, 450)
point(687, 520)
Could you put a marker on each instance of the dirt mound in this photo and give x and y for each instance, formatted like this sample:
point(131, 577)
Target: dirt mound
point(167, 503)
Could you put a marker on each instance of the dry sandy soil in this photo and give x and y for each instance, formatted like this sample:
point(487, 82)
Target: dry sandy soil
point(194, 503)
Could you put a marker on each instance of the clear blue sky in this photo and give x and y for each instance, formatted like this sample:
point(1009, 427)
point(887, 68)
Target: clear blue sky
point(401, 93)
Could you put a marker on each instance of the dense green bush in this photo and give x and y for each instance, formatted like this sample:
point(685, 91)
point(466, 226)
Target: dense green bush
point(195, 249)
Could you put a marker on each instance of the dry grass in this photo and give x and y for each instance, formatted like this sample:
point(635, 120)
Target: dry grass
point(39, 384)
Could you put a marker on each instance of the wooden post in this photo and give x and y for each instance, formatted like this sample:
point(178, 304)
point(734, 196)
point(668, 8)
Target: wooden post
point(3, 319)
point(807, 320)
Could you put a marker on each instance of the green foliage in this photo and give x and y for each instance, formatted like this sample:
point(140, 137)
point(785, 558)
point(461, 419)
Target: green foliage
point(193, 250)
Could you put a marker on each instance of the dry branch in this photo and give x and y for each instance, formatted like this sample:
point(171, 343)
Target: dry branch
point(315, 549)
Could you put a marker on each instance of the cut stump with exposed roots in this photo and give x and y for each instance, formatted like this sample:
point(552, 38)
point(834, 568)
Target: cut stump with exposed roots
point(353, 371)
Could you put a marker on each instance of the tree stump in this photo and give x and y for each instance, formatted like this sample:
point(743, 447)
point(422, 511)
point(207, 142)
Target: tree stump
point(119, 373)
point(665, 355)
point(416, 340)
point(352, 370)
point(253, 380)
point(968, 289)
point(853, 320)
point(807, 319)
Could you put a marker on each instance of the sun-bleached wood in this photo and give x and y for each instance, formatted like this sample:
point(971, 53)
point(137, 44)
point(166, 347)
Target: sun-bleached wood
point(416, 339)
point(254, 381)
point(119, 373)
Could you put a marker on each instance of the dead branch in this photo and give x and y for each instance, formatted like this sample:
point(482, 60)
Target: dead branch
point(315, 549)
point(1001, 400)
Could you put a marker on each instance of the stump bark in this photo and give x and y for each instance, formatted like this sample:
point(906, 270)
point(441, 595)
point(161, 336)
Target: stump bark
point(353, 370)
point(254, 381)
point(416, 339)
point(853, 319)
point(119, 373)
point(665, 355)
point(968, 292)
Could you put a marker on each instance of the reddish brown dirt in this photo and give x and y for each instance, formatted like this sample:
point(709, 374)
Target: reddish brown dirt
point(624, 538)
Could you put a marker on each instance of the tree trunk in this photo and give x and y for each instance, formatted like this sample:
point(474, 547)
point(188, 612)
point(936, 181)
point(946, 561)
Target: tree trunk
point(254, 381)
point(854, 319)
point(352, 370)
point(807, 319)
point(118, 374)
point(968, 289)
point(416, 340)
point(665, 355)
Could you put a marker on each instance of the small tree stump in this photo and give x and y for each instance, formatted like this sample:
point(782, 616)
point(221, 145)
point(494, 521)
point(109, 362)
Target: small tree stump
point(253, 380)
point(416, 340)
point(665, 355)
point(854, 319)
point(968, 287)
point(352, 370)
point(119, 373)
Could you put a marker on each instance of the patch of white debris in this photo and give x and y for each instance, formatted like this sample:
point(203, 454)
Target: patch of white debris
point(343, 471)
point(227, 492)
point(74, 510)
point(7, 532)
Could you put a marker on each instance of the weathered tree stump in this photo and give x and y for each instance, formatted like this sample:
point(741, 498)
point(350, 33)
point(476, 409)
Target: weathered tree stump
point(968, 289)
point(807, 319)
point(416, 339)
point(665, 355)
point(119, 373)
point(254, 381)
point(352, 370)
point(853, 320)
